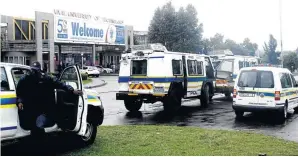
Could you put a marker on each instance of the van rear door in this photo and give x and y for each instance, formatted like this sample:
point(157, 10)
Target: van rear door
point(255, 88)
point(246, 88)
point(266, 88)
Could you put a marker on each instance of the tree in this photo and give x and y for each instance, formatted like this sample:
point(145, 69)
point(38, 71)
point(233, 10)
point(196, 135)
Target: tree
point(178, 31)
point(217, 42)
point(270, 50)
point(249, 47)
point(161, 26)
point(206, 46)
point(291, 61)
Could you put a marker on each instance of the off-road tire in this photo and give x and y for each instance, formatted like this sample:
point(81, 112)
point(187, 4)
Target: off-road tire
point(205, 96)
point(133, 105)
point(239, 114)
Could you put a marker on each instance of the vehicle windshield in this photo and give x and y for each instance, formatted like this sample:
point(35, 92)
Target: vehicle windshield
point(256, 79)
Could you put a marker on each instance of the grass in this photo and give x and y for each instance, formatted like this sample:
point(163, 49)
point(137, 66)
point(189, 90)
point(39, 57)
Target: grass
point(152, 140)
point(89, 80)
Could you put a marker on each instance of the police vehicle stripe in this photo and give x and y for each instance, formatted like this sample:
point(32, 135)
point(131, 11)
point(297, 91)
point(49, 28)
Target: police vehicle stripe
point(91, 97)
point(270, 94)
point(7, 95)
point(8, 106)
point(9, 128)
point(6, 101)
point(160, 80)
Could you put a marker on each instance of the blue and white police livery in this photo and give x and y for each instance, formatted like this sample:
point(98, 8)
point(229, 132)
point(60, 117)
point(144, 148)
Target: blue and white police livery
point(265, 89)
point(150, 73)
point(82, 114)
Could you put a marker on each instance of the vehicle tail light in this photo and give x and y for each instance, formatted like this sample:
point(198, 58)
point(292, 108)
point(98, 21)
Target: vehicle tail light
point(277, 95)
point(234, 93)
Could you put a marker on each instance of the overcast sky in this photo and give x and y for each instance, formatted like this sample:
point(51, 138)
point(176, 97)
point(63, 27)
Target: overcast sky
point(235, 19)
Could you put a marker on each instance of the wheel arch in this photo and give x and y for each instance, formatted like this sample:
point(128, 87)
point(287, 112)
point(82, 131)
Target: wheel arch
point(211, 87)
point(95, 114)
point(175, 85)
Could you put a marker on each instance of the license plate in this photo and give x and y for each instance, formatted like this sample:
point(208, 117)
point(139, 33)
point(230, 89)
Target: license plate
point(159, 90)
point(247, 94)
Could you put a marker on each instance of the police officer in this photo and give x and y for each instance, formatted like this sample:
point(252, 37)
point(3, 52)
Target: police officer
point(36, 99)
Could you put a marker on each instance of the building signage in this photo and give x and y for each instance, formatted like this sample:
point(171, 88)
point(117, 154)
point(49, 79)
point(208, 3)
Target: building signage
point(83, 28)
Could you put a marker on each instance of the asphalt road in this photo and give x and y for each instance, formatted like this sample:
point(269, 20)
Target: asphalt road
point(218, 115)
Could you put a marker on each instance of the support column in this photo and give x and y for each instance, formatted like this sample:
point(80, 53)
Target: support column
point(126, 37)
point(38, 37)
point(39, 17)
point(93, 54)
point(1, 41)
point(59, 53)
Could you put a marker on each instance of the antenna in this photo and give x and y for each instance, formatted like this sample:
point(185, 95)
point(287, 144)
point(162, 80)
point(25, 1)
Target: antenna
point(280, 22)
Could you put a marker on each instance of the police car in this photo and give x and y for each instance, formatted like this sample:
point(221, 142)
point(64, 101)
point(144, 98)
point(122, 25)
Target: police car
point(79, 115)
point(150, 73)
point(265, 89)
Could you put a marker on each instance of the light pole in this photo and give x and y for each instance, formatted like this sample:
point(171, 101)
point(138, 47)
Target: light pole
point(280, 23)
point(82, 55)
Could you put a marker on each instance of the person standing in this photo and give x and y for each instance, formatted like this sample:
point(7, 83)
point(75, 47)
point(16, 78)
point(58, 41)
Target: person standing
point(36, 99)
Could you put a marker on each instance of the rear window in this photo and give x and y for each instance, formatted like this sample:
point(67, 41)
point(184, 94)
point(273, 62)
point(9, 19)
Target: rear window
point(256, 79)
point(226, 65)
point(139, 67)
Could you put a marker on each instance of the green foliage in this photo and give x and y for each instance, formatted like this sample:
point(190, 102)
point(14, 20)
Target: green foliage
point(291, 61)
point(178, 31)
point(270, 50)
point(249, 47)
point(217, 42)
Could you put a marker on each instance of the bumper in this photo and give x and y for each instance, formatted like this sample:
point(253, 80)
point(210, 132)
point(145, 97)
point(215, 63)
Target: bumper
point(126, 95)
point(247, 108)
point(224, 89)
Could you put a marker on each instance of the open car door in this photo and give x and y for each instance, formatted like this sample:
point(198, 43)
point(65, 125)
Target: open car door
point(71, 108)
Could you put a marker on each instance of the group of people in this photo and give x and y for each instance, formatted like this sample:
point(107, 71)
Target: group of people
point(36, 98)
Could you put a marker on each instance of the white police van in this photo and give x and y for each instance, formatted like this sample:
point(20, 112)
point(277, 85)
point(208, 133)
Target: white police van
point(79, 115)
point(228, 69)
point(150, 73)
point(265, 89)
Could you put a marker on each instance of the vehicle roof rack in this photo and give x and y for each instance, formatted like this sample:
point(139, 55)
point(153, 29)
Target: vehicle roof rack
point(268, 65)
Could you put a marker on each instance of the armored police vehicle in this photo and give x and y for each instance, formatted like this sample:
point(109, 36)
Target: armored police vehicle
point(150, 73)
point(228, 70)
point(77, 115)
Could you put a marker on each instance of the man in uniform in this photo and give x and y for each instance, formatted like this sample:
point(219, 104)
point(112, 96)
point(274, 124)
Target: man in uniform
point(36, 99)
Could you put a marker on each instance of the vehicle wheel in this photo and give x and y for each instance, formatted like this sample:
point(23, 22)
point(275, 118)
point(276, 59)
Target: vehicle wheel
point(239, 114)
point(210, 98)
point(205, 96)
point(133, 105)
point(104, 71)
point(90, 135)
point(97, 75)
point(283, 114)
point(227, 95)
point(296, 110)
point(173, 101)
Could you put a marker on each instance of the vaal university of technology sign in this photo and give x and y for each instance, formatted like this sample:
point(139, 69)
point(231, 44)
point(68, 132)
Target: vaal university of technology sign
point(78, 28)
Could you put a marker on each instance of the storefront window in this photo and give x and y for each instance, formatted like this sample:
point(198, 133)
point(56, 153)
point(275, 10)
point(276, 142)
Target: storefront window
point(16, 60)
point(10, 60)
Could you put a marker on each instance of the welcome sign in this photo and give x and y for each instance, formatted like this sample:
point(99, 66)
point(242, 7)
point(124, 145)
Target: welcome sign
point(78, 30)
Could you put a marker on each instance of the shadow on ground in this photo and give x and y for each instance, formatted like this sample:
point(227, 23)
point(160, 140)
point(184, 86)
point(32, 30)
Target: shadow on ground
point(52, 146)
